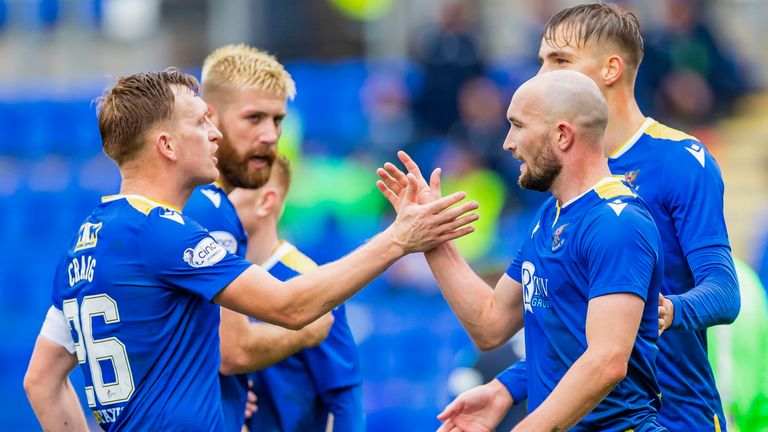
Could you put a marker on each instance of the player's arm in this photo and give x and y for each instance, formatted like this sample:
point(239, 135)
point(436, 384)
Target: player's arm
point(714, 300)
point(299, 301)
point(248, 346)
point(612, 324)
point(694, 199)
point(49, 390)
point(490, 316)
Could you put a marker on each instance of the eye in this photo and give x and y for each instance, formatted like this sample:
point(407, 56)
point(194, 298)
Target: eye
point(256, 117)
point(560, 61)
point(279, 120)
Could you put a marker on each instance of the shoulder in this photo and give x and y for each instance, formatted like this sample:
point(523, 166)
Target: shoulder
point(619, 213)
point(164, 227)
point(681, 150)
point(204, 199)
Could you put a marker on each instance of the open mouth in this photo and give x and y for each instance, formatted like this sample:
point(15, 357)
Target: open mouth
point(259, 161)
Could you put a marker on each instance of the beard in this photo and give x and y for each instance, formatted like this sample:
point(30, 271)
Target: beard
point(236, 170)
point(542, 172)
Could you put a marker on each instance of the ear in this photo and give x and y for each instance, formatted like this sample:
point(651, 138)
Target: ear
point(267, 202)
point(565, 136)
point(165, 145)
point(613, 70)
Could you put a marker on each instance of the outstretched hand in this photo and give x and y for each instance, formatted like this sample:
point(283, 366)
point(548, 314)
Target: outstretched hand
point(393, 182)
point(479, 409)
point(422, 227)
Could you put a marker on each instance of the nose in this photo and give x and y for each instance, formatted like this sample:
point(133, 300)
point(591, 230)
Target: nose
point(270, 134)
point(509, 144)
point(214, 134)
point(543, 69)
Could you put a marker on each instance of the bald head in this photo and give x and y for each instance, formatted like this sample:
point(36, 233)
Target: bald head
point(565, 96)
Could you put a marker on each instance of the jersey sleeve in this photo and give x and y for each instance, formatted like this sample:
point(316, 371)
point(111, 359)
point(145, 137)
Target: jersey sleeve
point(621, 250)
point(515, 379)
point(694, 197)
point(514, 270)
point(56, 329)
point(180, 254)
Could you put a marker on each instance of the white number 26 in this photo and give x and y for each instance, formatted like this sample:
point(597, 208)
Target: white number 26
point(109, 350)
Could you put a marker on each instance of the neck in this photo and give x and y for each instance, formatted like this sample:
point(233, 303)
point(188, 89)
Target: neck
point(263, 241)
point(625, 117)
point(580, 177)
point(160, 186)
point(225, 184)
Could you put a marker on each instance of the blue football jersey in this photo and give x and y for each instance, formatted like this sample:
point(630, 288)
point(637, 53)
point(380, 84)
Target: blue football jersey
point(682, 185)
point(297, 393)
point(210, 206)
point(135, 287)
point(602, 242)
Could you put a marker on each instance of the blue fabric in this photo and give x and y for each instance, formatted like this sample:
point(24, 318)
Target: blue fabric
point(210, 206)
point(683, 186)
point(716, 299)
point(139, 278)
point(604, 242)
point(515, 379)
point(298, 393)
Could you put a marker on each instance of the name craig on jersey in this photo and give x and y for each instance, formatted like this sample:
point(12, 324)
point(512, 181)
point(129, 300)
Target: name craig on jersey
point(535, 288)
point(81, 269)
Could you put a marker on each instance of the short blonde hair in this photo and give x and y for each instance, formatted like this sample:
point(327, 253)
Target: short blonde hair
point(241, 66)
point(134, 105)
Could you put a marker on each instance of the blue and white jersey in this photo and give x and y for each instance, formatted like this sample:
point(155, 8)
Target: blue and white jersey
point(135, 287)
point(602, 242)
point(210, 206)
point(298, 393)
point(683, 187)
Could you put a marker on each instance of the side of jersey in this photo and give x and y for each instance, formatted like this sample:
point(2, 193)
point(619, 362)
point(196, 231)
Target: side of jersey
point(602, 243)
point(135, 288)
point(210, 206)
point(297, 393)
point(683, 187)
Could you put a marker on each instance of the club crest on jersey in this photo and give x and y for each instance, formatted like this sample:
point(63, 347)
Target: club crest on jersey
point(88, 236)
point(558, 241)
point(206, 253)
point(535, 288)
point(630, 177)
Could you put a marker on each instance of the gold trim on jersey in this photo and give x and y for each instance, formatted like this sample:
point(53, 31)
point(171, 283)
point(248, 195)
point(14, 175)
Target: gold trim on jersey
point(661, 131)
point(626, 145)
point(298, 262)
point(140, 202)
point(613, 189)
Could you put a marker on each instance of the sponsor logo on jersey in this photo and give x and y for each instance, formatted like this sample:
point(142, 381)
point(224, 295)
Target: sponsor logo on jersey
point(697, 151)
point(214, 196)
point(557, 240)
point(88, 236)
point(172, 215)
point(226, 240)
point(535, 288)
point(206, 253)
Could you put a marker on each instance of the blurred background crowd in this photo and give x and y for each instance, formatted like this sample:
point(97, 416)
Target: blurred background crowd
point(433, 77)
